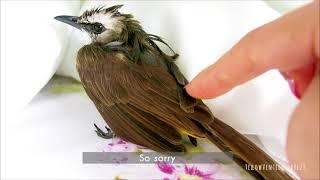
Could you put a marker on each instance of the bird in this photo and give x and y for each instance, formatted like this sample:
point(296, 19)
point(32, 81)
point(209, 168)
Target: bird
point(139, 91)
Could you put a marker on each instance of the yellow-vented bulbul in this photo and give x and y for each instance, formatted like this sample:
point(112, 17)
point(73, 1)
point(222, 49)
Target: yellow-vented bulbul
point(139, 91)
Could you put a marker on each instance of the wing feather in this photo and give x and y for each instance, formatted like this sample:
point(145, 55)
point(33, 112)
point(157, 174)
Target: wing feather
point(140, 103)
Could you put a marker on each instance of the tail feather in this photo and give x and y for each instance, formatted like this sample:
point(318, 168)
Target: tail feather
point(223, 147)
point(244, 151)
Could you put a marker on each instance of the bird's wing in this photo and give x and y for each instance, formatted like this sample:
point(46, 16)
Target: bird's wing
point(139, 102)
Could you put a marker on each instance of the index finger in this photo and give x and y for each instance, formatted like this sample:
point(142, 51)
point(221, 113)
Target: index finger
point(287, 43)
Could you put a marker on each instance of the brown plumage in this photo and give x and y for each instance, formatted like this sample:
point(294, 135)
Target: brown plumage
point(139, 91)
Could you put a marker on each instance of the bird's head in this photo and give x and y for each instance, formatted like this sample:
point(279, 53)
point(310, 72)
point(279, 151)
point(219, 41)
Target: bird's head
point(104, 25)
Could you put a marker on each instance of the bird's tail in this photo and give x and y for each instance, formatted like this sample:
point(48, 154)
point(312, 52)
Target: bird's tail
point(245, 153)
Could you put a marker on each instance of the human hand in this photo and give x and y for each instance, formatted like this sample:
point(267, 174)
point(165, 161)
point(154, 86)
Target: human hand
point(291, 45)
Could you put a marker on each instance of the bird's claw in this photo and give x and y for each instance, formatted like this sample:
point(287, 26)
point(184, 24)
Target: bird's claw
point(105, 135)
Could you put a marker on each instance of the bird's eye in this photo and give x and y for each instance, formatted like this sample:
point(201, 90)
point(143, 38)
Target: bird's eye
point(98, 28)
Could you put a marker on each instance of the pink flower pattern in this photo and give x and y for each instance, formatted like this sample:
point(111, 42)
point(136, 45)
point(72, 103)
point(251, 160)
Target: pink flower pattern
point(185, 171)
point(181, 171)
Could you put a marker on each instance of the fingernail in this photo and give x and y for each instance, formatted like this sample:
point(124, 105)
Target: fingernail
point(292, 85)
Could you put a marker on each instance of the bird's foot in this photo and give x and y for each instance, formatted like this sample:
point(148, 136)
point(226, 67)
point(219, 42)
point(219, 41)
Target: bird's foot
point(104, 135)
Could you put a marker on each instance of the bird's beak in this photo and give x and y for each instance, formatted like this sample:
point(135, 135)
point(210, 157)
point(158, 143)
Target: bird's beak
point(71, 20)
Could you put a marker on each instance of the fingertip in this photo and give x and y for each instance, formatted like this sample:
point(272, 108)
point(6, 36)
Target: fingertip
point(191, 90)
point(199, 88)
point(192, 87)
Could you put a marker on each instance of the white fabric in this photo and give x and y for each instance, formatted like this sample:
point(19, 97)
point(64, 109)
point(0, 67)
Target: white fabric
point(33, 44)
